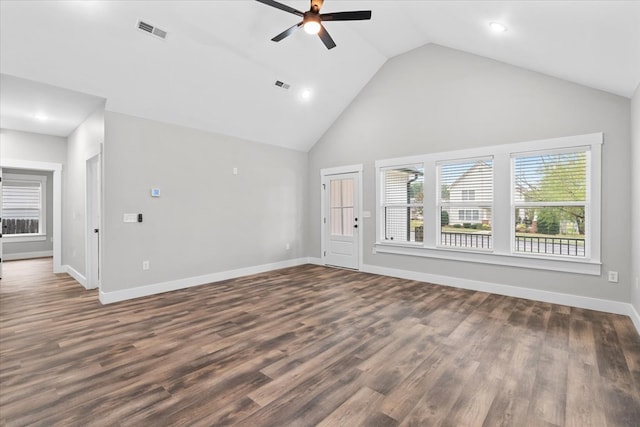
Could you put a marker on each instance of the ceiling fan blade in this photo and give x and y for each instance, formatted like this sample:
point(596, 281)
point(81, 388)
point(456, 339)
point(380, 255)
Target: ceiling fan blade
point(326, 38)
point(287, 32)
point(359, 15)
point(281, 7)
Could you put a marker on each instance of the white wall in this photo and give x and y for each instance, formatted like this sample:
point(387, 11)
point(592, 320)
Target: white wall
point(82, 144)
point(32, 147)
point(635, 210)
point(436, 99)
point(207, 220)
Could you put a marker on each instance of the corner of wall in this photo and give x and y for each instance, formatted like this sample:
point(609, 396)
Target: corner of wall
point(635, 204)
point(82, 144)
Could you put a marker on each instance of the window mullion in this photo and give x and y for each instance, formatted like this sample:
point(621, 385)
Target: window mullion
point(431, 216)
point(502, 217)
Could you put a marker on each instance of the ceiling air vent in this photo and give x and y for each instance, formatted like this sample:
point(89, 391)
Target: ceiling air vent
point(153, 30)
point(283, 85)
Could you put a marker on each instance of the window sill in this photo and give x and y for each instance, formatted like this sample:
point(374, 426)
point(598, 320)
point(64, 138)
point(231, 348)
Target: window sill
point(16, 238)
point(579, 266)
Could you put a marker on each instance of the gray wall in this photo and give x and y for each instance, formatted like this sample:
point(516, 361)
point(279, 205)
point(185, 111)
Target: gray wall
point(18, 145)
point(436, 99)
point(207, 220)
point(82, 144)
point(33, 147)
point(15, 248)
point(635, 222)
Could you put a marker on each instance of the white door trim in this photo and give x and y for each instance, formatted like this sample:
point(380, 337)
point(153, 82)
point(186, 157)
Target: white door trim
point(324, 173)
point(93, 177)
point(56, 168)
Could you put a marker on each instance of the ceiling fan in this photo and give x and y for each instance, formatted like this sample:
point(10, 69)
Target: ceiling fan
point(312, 20)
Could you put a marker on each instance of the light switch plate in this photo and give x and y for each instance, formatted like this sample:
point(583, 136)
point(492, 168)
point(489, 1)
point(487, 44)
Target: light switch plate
point(130, 217)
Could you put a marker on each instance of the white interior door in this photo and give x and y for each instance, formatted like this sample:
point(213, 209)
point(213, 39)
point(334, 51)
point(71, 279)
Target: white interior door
point(1, 224)
point(342, 224)
point(93, 222)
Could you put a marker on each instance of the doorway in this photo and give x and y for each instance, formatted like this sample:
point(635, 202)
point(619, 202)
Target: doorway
point(341, 218)
point(56, 169)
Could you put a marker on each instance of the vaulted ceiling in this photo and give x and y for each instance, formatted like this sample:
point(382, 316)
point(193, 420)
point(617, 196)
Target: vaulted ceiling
point(217, 67)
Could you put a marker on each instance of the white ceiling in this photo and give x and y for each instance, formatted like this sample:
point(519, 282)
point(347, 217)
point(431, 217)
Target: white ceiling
point(40, 108)
point(216, 69)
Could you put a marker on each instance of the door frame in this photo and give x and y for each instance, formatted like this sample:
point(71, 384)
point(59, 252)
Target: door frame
point(56, 168)
point(94, 177)
point(324, 174)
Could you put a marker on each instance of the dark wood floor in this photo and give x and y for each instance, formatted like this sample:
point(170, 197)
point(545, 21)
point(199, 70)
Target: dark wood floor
point(308, 346)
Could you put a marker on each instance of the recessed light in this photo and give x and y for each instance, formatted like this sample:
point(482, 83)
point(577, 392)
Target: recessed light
point(306, 94)
point(497, 27)
point(41, 117)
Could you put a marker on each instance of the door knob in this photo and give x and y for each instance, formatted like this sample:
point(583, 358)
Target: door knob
point(355, 226)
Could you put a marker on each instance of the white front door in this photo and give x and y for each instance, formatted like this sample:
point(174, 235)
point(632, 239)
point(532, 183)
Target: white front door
point(342, 225)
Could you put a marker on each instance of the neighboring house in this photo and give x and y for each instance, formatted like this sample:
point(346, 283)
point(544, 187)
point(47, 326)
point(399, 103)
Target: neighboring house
point(476, 184)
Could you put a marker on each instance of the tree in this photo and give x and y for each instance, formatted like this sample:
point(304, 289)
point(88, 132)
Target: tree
point(444, 218)
point(416, 192)
point(561, 178)
point(548, 221)
point(445, 192)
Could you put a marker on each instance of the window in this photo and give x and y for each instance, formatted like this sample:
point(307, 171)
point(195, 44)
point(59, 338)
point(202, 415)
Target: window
point(465, 203)
point(468, 215)
point(23, 205)
point(550, 204)
point(402, 208)
point(530, 204)
point(342, 207)
point(468, 194)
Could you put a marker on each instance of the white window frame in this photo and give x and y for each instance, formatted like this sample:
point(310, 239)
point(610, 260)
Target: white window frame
point(381, 211)
point(42, 222)
point(467, 205)
point(502, 215)
point(586, 203)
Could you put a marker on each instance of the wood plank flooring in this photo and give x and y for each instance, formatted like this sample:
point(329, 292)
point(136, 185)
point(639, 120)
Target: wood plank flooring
point(308, 346)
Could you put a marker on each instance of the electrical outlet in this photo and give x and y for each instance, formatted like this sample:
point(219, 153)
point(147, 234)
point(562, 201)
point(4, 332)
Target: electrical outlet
point(373, 250)
point(145, 265)
point(287, 246)
point(613, 276)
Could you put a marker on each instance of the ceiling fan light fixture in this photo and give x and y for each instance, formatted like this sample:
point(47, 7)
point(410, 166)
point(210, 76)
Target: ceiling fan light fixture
point(497, 27)
point(312, 20)
point(312, 27)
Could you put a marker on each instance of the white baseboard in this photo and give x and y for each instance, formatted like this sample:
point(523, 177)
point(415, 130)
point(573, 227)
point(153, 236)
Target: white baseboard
point(26, 255)
point(635, 317)
point(76, 275)
point(315, 261)
point(608, 306)
point(172, 285)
